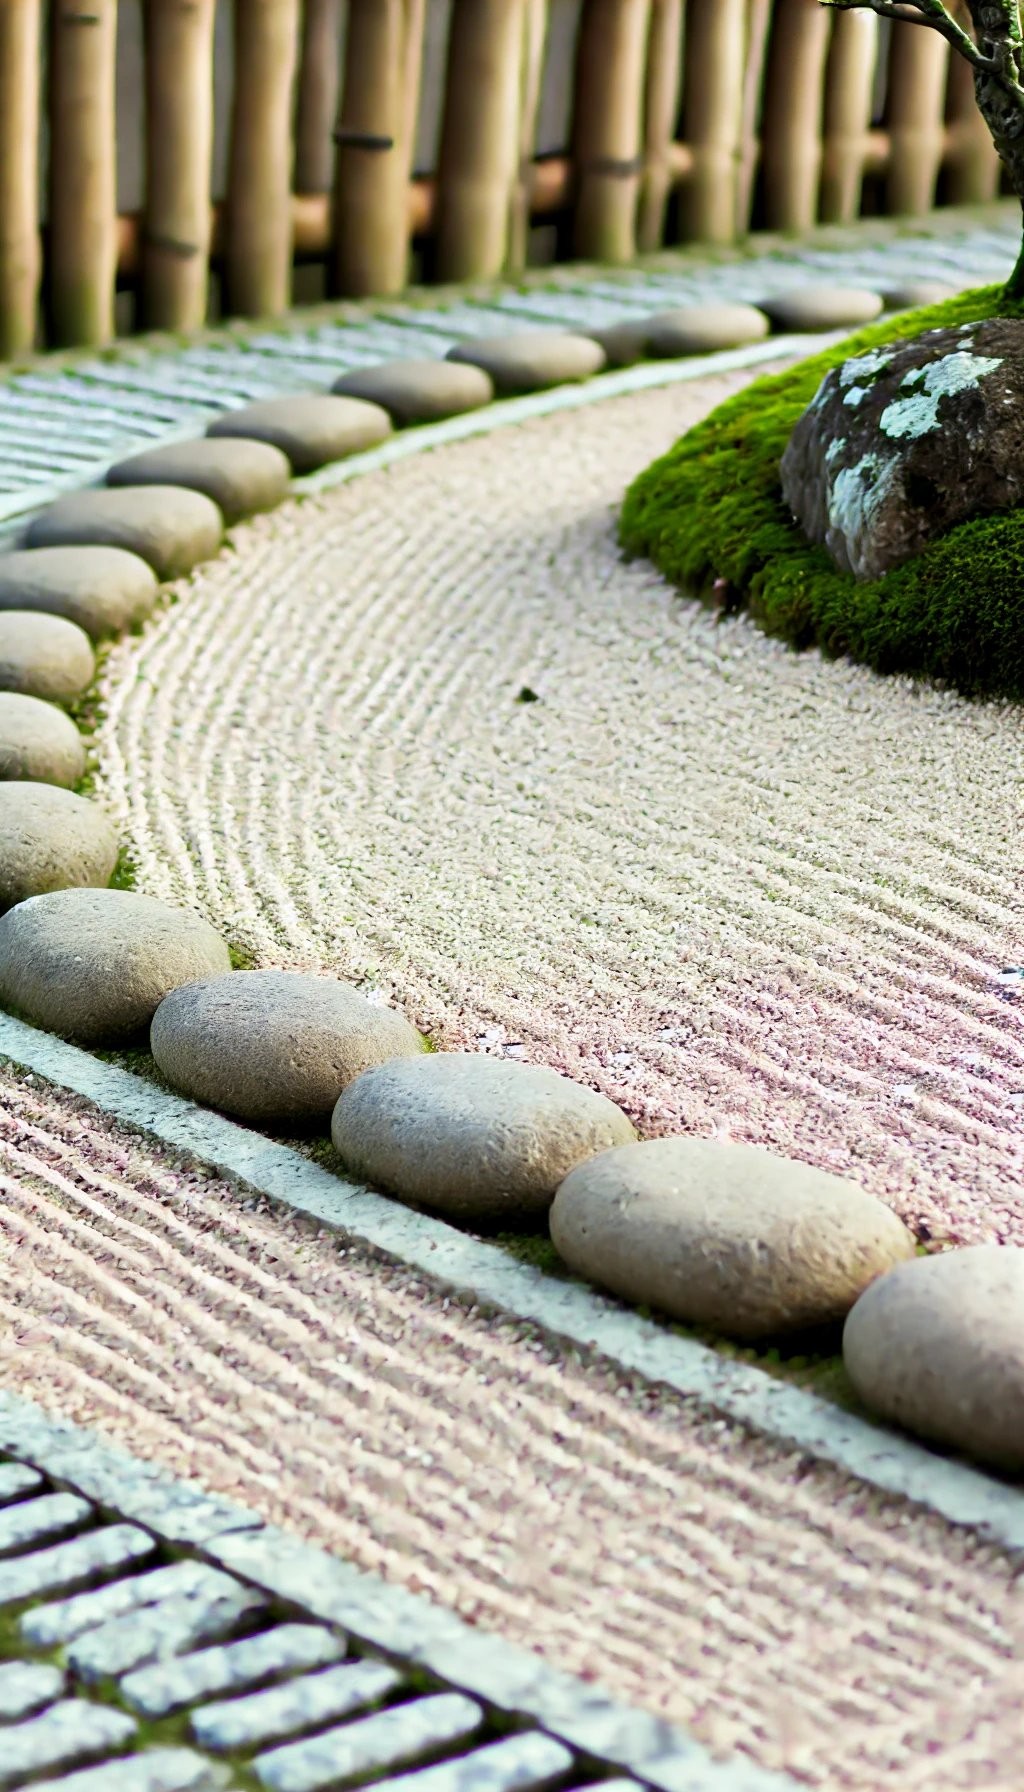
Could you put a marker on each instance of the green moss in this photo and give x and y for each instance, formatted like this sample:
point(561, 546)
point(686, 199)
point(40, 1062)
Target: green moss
point(712, 508)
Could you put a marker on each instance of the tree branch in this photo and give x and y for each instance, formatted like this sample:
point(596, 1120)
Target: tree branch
point(926, 12)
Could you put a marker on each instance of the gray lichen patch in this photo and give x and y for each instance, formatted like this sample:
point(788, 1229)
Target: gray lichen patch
point(916, 415)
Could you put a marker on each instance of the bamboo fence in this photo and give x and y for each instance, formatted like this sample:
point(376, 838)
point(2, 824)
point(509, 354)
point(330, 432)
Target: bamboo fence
point(686, 120)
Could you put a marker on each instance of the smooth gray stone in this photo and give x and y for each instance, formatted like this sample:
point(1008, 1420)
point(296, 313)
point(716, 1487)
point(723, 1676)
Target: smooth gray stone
point(287, 1710)
point(170, 1628)
point(26, 1686)
point(170, 1686)
point(68, 1735)
point(17, 1479)
point(389, 1738)
point(47, 1625)
point(70, 1565)
point(158, 1770)
point(36, 1521)
point(524, 1763)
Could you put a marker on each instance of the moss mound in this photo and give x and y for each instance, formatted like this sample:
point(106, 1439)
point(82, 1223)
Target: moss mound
point(712, 508)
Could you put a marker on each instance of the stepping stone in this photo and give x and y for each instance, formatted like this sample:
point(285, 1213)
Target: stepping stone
point(168, 527)
point(913, 293)
point(69, 1734)
point(71, 1565)
point(725, 1236)
point(406, 1733)
point(531, 360)
point(154, 1770)
point(51, 839)
point(38, 742)
point(419, 391)
point(94, 965)
point(171, 1628)
point(26, 1687)
point(302, 1704)
point(104, 590)
point(44, 656)
point(274, 1045)
point(814, 308)
point(704, 329)
point(169, 1686)
point(625, 343)
point(311, 430)
point(937, 1345)
point(41, 1520)
point(44, 1626)
point(525, 1763)
point(242, 477)
point(472, 1136)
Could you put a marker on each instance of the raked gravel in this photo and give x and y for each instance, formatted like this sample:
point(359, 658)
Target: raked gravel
point(744, 892)
point(764, 1601)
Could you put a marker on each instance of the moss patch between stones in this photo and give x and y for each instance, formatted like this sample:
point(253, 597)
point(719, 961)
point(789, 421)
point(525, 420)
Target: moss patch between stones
point(712, 509)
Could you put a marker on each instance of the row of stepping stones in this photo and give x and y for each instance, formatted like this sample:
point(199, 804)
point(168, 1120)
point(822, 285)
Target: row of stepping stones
point(730, 1238)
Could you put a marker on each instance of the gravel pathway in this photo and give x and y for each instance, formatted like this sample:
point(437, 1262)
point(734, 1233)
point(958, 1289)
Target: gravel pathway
point(742, 891)
point(732, 1586)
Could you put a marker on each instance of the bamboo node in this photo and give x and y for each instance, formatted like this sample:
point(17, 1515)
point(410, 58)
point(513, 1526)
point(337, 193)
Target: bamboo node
point(362, 140)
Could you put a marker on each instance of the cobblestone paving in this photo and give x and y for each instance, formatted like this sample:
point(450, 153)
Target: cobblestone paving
point(124, 1670)
point(59, 429)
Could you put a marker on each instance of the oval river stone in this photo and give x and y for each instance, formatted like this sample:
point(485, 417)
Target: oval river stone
point(725, 1236)
point(274, 1045)
point(472, 1136)
point(51, 839)
point(938, 1346)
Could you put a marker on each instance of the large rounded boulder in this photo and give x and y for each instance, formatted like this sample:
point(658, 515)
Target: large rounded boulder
point(724, 1236)
point(38, 741)
point(938, 1346)
point(474, 1137)
point(274, 1046)
point(51, 839)
point(94, 965)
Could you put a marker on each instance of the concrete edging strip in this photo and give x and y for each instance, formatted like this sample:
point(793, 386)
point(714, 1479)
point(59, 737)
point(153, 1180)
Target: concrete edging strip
point(388, 1619)
point(487, 1275)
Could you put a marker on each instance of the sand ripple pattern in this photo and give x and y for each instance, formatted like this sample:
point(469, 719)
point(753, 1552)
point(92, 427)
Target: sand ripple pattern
point(736, 1587)
point(744, 892)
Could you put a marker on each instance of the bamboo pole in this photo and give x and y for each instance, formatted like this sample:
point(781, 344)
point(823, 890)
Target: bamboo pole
point(918, 71)
point(258, 248)
point(82, 184)
point(371, 225)
point(661, 112)
point(849, 90)
point(316, 99)
point(179, 154)
point(973, 170)
point(608, 127)
point(793, 112)
point(759, 18)
point(20, 256)
point(535, 29)
point(479, 139)
point(712, 118)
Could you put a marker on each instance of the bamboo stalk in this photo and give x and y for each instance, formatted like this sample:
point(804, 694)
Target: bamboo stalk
point(82, 185)
point(179, 153)
point(20, 255)
point(712, 118)
point(759, 18)
point(479, 139)
point(608, 127)
point(371, 225)
point(661, 112)
point(918, 71)
point(316, 100)
point(792, 116)
point(535, 28)
point(973, 169)
point(258, 249)
point(849, 90)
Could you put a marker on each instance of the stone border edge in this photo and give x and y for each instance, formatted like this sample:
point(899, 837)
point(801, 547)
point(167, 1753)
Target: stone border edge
point(485, 1275)
point(398, 1624)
